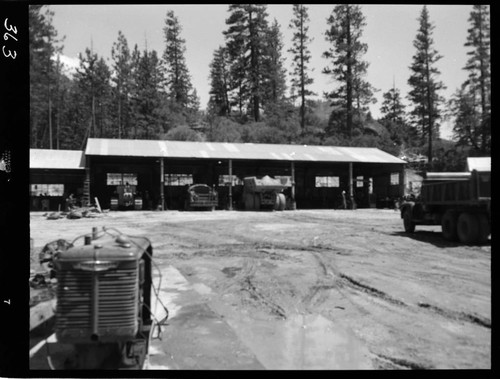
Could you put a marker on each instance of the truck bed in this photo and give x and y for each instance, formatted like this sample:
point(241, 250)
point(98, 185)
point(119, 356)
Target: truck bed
point(441, 188)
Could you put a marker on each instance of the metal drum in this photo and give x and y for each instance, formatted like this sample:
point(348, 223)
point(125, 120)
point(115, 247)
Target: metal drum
point(138, 203)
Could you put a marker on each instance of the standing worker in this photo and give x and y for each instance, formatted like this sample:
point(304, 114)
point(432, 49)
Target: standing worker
point(344, 201)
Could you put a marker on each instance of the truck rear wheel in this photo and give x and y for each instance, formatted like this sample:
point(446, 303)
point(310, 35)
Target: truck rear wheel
point(408, 222)
point(280, 202)
point(249, 203)
point(449, 226)
point(256, 201)
point(468, 228)
point(484, 228)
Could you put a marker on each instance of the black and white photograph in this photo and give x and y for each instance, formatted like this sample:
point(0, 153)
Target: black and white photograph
point(255, 187)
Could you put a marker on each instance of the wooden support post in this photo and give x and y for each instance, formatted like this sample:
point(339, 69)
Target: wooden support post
point(230, 184)
point(351, 189)
point(162, 181)
point(402, 183)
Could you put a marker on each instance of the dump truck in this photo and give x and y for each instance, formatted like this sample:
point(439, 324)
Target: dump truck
point(459, 202)
point(264, 193)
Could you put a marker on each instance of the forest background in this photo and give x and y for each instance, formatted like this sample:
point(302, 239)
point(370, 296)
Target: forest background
point(255, 97)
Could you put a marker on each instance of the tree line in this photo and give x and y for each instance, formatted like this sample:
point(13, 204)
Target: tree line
point(149, 95)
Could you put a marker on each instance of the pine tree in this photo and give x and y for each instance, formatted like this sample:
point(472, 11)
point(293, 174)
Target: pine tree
point(219, 83)
point(423, 81)
point(62, 88)
point(177, 74)
point(301, 57)
point(194, 102)
point(103, 97)
point(146, 94)
point(122, 78)
point(479, 67)
point(395, 120)
point(274, 72)
point(467, 126)
point(93, 78)
point(43, 46)
point(75, 120)
point(235, 36)
point(246, 44)
point(363, 91)
point(347, 67)
point(392, 107)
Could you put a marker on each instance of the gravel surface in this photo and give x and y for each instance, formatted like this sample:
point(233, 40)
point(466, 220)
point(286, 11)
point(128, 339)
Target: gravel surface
point(318, 289)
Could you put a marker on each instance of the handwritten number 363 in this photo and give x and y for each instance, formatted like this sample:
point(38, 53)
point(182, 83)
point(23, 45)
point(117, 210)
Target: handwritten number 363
point(13, 29)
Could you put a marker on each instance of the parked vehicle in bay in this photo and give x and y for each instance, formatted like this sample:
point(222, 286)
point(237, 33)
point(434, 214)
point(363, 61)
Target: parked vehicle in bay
point(459, 202)
point(264, 193)
point(126, 198)
point(201, 196)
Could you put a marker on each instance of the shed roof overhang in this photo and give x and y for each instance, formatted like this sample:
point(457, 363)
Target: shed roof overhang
point(57, 159)
point(236, 151)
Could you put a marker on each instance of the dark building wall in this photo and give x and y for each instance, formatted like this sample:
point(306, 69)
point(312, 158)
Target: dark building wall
point(100, 167)
point(207, 171)
point(71, 179)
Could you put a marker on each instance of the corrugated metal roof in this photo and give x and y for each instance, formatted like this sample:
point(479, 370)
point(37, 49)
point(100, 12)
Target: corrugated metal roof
point(223, 150)
point(57, 159)
point(479, 164)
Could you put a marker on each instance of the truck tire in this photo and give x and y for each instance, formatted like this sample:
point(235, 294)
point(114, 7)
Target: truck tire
point(276, 205)
point(468, 228)
point(256, 201)
point(408, 222)
point(282, 202)
point(484, 228)
point(449, 226)
point(249, 204)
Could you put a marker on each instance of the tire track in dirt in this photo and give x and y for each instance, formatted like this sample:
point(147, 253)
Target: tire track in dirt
point(244, 278)
point(326, 282)
point(454, 315)
point(255, 294)
point(338, 282)
point(347, 281)
point(399, 363)
point(330, 277)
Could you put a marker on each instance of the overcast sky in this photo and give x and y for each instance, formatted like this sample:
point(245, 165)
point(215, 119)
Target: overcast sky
point(389, 33)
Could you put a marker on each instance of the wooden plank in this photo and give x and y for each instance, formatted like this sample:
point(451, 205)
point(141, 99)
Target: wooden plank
point(98, 205)
point(42, 312)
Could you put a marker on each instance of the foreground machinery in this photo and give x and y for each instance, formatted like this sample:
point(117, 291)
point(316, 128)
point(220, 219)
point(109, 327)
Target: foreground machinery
point(459, 202)
point(103, 298)
point(264, 193)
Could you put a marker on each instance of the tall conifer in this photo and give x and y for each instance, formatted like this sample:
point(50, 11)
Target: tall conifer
point(347, 67)
point(424, 83)
point(177, 73)
point(301, 57)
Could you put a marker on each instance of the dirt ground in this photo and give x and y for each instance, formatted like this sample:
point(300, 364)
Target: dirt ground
point(308, 289)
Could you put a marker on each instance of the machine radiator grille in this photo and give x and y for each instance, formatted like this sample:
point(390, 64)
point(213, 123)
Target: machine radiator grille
point(116, 292)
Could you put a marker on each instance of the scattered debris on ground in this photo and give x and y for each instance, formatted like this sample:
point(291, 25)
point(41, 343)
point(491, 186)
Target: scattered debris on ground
point(77, 213)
